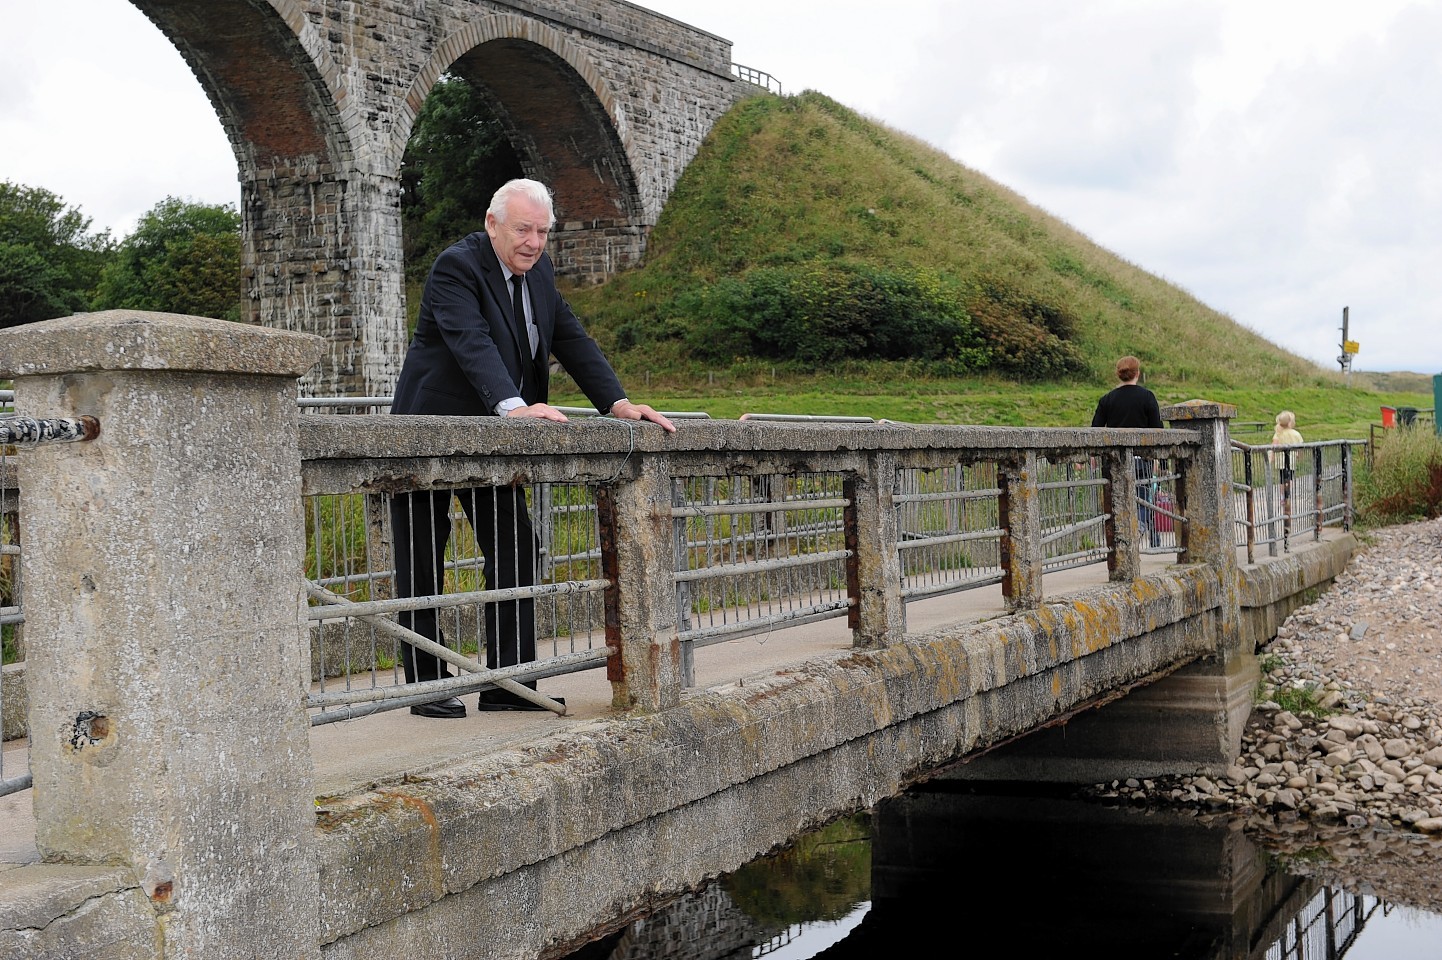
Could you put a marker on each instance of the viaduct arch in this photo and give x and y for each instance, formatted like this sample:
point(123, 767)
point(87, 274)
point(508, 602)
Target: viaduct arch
point(604, 100)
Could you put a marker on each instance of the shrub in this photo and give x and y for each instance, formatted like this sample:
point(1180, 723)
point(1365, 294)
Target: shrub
point(820, 313)
point(1028, 336)
point(1405, 480)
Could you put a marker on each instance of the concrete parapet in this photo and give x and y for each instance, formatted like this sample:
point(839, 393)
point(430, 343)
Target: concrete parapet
point(516, 853)
point(61, 912)
point(1272, 588)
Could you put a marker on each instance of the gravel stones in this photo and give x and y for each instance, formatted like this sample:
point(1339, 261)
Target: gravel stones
point(1361, 670)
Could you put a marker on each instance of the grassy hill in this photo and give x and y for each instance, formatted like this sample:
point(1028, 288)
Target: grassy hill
point(803, 196)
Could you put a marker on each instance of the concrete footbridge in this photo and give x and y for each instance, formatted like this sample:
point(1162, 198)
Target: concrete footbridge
point(756, 626)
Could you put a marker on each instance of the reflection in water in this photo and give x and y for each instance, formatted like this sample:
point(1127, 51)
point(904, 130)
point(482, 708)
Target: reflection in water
point(1036, 874)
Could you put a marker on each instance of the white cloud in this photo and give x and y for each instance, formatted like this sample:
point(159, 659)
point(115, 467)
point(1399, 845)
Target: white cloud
point(1278, 160)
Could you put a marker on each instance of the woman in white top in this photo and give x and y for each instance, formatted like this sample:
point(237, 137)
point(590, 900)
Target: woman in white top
point(1285, 435)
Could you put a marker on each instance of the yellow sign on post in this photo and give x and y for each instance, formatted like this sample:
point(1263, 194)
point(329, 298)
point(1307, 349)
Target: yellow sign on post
point(1350, 346)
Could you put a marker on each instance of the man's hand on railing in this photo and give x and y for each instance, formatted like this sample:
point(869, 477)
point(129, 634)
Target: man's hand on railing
point(539, 411)
point(624, 409)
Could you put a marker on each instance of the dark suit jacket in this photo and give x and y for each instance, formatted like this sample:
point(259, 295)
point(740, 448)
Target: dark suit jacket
point(468, 353)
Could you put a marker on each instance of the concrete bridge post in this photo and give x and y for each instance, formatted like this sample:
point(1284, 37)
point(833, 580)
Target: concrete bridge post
point(167, 668)
point(1124, 560)
point(1205, 496)
point(636, 544)
point(878, 612)
point(1021, 551)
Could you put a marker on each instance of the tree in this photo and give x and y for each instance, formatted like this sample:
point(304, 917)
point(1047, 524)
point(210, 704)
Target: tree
point(50, 262)
point(184, 257)
point(457, 156)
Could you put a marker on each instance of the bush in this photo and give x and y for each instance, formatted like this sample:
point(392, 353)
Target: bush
point(818, 314)
point(1405, 480)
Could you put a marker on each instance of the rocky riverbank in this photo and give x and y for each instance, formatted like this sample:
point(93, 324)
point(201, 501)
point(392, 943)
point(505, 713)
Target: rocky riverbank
point(1344, 749)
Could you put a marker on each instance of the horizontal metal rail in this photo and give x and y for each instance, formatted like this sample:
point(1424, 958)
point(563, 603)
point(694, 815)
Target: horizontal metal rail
point(770, 506)
point(758, 566)
point(703, 636)
point(371, 608)
point(16, 784)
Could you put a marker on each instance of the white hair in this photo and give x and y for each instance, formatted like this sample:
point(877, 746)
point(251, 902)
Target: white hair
point(533, 190)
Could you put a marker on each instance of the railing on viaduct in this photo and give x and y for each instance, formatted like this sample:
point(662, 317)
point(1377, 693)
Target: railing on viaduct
point(175, 564)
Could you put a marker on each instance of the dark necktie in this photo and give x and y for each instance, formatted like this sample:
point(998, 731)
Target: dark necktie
point(518, 303)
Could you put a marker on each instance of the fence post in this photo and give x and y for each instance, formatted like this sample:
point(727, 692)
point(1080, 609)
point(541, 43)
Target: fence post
point(637, 556)
point(873, 573)
point(1020, 520)
point(168, 653)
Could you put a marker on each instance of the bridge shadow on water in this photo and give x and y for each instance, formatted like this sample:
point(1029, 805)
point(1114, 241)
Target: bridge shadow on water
point(953, 869)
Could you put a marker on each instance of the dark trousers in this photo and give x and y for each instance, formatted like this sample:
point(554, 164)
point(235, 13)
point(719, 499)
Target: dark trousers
point(421, 526)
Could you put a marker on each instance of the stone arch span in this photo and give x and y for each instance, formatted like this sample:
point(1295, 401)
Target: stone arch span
point(603, 99)
point(565, 123)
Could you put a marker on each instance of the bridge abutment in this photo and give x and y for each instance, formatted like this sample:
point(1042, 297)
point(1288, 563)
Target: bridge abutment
point(169, 742)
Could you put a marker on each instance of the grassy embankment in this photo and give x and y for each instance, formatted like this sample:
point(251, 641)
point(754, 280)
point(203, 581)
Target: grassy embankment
point(800, 180)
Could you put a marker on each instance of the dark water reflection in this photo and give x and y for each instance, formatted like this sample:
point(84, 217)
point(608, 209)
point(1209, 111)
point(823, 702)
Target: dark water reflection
point(965, 872)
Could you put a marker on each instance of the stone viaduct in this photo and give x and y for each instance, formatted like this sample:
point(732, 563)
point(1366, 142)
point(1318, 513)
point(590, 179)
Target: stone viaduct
point(604, 100)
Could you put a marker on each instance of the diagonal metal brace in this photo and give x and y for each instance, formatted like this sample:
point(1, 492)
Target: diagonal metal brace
point(393, 629)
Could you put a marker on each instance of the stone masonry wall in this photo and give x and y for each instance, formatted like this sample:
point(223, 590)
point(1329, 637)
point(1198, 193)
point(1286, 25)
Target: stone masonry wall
point(319, 99)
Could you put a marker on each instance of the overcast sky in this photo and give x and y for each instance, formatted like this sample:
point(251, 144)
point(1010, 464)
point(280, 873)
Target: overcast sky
point(1278, 159)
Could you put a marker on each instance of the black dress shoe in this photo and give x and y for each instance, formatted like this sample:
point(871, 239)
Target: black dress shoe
point(514, 703)
point(450, 708)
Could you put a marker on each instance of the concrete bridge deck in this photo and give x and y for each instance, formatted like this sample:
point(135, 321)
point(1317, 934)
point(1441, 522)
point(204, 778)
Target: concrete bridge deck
point(361, 754)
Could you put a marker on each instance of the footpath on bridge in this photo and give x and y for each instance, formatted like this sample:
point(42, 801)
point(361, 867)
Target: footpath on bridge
point(354, 755)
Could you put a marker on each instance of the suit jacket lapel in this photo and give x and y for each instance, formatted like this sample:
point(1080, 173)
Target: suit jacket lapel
point(501, 291)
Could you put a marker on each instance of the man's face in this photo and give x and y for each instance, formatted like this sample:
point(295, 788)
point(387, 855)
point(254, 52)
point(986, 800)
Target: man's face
point(520, 240)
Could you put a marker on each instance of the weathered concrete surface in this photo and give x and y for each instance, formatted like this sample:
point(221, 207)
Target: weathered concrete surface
point(668, 800)
point(167, 719)
point(612, 868)
point(62, 912)
point(1272, 588)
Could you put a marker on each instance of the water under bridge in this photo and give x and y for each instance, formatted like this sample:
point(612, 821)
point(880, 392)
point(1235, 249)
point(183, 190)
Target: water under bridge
point(756, 626)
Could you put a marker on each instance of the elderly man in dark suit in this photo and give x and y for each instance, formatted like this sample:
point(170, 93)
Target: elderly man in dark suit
point(490, 319)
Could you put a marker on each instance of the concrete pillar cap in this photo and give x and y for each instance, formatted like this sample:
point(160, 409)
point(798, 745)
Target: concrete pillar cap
point(1199, 410)
point(143, 340)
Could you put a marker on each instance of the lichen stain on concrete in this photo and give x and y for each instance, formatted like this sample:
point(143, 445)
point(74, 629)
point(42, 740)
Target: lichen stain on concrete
point(1098, 628)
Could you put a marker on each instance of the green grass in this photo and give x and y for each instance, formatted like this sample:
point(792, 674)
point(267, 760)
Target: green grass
point(787, 183)
point(890, 392)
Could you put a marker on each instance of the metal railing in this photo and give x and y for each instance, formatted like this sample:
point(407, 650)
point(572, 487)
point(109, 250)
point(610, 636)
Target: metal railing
point(1287, 491)
point(753, 550)
point(762, 538)
point(1326, 927)
point(757, 77)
